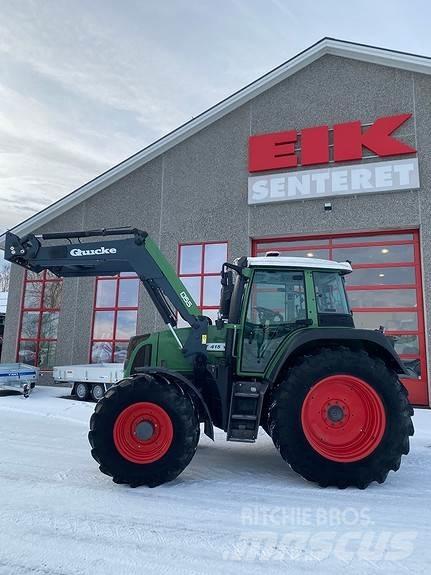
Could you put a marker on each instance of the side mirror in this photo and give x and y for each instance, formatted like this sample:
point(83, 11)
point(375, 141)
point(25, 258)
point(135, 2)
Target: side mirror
point(227, 285)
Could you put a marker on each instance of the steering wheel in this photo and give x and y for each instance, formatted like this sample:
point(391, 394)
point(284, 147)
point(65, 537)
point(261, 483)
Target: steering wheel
point(267, 314)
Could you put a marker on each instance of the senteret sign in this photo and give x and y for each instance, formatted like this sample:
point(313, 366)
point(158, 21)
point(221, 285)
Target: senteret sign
point(311, 146)
point(339, 181)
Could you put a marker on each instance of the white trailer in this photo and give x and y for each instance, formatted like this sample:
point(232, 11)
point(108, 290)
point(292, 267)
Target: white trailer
point(18, 377)
point(89, 380)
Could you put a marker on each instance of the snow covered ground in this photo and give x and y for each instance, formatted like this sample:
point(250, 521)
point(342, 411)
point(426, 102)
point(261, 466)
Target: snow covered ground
point(236, 509)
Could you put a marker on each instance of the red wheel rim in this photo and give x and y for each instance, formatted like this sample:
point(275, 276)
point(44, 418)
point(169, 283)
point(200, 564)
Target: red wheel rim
point(343, 418)
point(143, 432)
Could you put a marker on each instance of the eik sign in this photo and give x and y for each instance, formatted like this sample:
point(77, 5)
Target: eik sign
point(292, 149)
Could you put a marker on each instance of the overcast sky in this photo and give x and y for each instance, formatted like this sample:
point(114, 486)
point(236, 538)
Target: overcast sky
point(85, 84)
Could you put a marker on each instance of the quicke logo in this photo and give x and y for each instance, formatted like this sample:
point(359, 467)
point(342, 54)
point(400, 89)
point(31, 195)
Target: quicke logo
point(77, 252)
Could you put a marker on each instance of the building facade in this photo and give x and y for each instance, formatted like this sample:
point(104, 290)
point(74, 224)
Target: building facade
point(326, 156)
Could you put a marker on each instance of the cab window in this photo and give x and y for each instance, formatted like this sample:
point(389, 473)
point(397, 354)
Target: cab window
point(276, 303)
point(330, 293)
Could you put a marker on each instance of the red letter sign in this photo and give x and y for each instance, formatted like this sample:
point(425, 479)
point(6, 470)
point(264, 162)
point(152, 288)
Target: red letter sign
point(272, 151)
point(349, 139)
point(314, 146)
point(277, 151)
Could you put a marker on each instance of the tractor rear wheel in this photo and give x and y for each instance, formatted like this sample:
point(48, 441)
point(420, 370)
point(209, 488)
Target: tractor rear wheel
point(144, 431)
point(341, 418)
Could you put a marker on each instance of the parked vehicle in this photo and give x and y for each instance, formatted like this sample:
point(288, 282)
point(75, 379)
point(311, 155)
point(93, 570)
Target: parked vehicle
point(18, 377)
point(283, 354)
point(89, 380)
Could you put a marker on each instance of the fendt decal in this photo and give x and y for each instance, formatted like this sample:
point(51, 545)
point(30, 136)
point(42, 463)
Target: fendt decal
point(102, 251)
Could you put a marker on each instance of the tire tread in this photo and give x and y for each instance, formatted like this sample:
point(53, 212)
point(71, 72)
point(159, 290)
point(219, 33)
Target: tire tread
point(292, 388)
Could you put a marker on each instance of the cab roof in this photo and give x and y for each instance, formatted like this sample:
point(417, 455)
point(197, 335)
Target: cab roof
point(291, 262)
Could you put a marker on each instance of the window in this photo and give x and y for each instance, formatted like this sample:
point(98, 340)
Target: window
point(385, 289)
point(276, 302)
point(114, 317)
point(330, 294)
point(199, 268)
point(40, 309)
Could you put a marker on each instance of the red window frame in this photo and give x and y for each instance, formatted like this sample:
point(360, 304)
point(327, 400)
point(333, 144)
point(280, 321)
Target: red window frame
point(115, 309)
point(43, 279)
point(418, 393)
point(202, 274)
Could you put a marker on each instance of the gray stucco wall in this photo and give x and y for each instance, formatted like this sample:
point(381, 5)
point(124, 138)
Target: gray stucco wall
point(198, 190)
point(12, 315)
point(329, 91)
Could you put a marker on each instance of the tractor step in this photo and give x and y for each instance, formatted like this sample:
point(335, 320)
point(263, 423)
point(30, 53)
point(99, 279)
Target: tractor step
point(242, 436)
point(245, 408)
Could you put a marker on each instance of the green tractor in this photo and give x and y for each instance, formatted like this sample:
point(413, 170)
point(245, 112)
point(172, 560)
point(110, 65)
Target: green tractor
point(283, 354)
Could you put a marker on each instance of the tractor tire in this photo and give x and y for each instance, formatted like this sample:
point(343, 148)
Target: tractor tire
point(264, 419)
point(144, 431)
point(341, 418)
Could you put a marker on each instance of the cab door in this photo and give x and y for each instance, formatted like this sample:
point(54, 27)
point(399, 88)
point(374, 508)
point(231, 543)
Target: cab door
point(275, 307)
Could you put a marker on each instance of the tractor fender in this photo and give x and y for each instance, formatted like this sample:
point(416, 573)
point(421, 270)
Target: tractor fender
point(374, 342)
point(184, 383)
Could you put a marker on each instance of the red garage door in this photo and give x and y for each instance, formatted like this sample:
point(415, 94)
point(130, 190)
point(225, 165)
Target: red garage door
point(384, 289)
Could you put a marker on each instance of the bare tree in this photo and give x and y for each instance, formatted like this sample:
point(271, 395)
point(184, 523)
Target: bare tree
point(4, 276)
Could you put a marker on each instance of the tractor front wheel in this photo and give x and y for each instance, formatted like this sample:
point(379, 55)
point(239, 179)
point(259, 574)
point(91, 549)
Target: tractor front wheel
point(144, 431)
point(341, 418)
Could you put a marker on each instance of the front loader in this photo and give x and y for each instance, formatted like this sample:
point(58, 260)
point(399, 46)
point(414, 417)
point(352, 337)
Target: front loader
point(283, 354)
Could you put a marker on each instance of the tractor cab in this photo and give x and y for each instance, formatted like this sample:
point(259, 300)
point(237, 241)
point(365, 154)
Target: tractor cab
point(277, 291)
point(287, 294)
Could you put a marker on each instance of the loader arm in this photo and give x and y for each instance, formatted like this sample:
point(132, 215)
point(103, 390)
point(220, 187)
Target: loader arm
point(136, 253)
